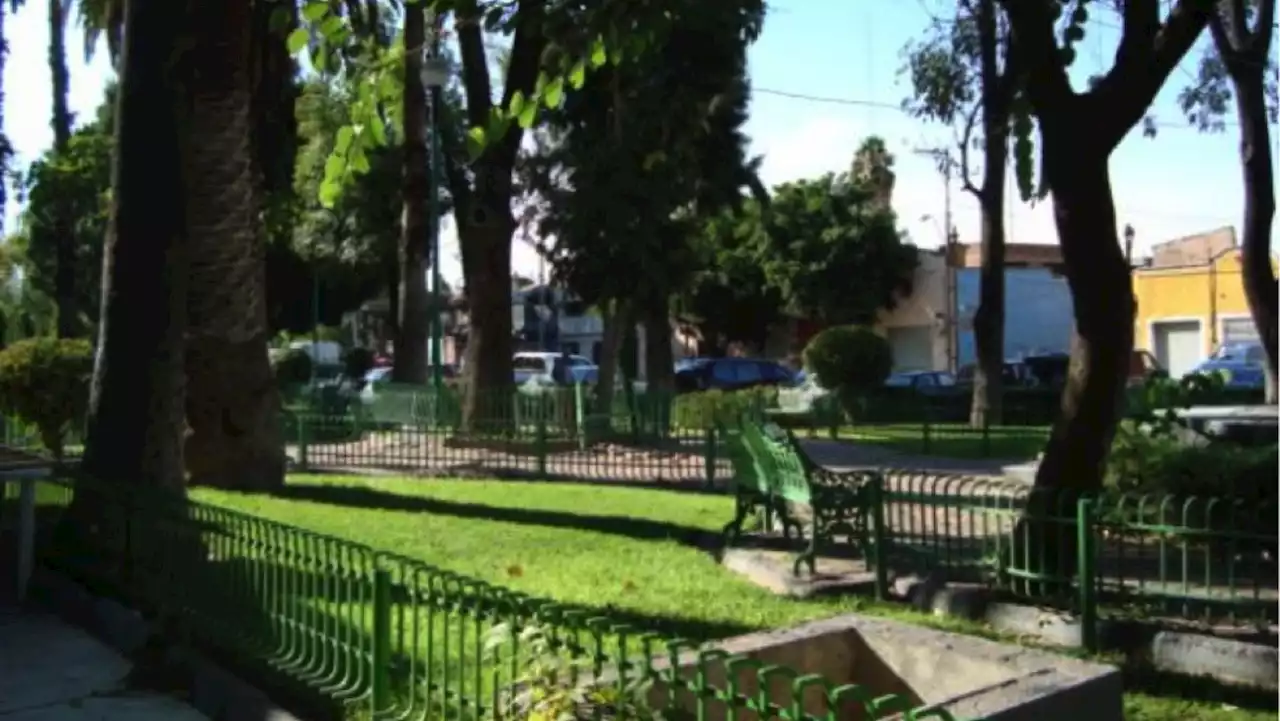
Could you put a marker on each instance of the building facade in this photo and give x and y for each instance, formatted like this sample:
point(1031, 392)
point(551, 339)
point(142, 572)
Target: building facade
point(1190, 297)
point(932, 328)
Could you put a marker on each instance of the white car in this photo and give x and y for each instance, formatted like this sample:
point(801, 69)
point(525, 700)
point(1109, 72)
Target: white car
point(540, 367)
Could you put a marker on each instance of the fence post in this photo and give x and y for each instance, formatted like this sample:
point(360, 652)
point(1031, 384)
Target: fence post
point(926, 430)
point(709, 455)
point(1086, 572)
point(540, 445)
point(303, 431)
point(879, 537)
point(986, 435)
point(381, 651)
point(832, 406)
point(579, 417)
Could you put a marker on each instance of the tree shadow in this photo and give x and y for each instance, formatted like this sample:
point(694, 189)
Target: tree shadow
point(370, 498)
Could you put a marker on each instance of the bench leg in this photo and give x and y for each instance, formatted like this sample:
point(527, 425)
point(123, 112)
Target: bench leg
point(809, 557)
point(733, 529)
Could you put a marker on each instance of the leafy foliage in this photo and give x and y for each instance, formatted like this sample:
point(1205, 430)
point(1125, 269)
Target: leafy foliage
point(821, 231)
point(293, 367)
point(849, 359)
point(45, 381)
point(75, 183)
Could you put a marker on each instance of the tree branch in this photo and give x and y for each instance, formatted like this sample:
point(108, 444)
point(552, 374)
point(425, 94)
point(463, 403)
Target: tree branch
point(523, 68)
point(1238, 18)
point(475, 65)
point(966, 137)
point(451, 149)
point(1047, 83)
point(1263, 29)
point(1144, 61)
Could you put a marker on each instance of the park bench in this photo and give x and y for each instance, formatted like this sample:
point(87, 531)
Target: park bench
point(752, 482)
point(777, 476)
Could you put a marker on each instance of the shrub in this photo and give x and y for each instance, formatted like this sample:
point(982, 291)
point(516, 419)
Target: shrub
point(45, 381)
point(849, 358)
point(851, 361)
point(292, 368)
point(707, 408)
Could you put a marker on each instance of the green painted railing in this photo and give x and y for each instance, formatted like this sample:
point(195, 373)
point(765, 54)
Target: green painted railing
point(1206, 560)
point(381, 636)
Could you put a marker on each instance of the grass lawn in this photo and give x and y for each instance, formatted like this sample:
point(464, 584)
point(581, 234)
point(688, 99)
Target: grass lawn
point(951, 440)
point(625, 549)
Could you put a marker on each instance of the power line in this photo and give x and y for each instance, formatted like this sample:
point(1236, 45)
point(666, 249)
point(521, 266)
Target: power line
point(865, 103)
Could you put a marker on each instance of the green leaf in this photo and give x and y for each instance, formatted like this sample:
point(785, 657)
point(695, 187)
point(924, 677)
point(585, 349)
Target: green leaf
point(378, 132)
point(298, 40)
point(335, 166)
point(516, 106)
point(599, 55)
point(553, 93)
point(330, 191)
point(528, 115)
point(476, 142)
point(358, 161)
point(313, 11)
point(333, 28)
point(578, 75)
point(343, 141)
point(280, 20)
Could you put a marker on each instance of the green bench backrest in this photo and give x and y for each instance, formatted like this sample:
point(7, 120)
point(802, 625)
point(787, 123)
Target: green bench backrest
point(790, 472)
point(747, 470)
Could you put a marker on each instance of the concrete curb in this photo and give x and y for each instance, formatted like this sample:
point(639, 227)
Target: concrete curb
point(1231, 661)
point(211, 690)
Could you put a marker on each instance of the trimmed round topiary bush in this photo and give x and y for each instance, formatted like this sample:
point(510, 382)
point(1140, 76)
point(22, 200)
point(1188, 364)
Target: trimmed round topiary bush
point(45, 382)
point(850, 360)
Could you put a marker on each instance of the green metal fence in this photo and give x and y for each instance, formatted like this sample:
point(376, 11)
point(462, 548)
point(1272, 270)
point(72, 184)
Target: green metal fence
point(1206, 560)
point(383, 636)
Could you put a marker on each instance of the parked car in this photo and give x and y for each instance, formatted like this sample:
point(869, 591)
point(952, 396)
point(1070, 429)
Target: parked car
point(729, 374)
point(547, 366)
point(927, 382)
point(378, 378)
point(1241, 364)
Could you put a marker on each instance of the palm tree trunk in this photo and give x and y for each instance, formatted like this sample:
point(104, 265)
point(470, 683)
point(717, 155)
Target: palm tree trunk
point(136, 403)
point(412, 323)
point(64, 290)
point(232, 402)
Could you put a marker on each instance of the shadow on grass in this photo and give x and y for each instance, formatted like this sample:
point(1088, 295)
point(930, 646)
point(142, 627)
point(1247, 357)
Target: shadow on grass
point(369, 498)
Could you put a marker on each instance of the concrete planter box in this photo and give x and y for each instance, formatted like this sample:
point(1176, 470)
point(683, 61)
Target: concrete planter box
point(970, 678)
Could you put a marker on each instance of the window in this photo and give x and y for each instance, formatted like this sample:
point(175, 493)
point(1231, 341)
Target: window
point(897, 380)
point(529, 363)
point(571, 348)
point(925, 380)
point(1255, 354)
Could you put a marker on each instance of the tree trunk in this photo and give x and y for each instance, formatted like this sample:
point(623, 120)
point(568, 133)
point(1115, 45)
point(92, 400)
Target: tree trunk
point(413, 322)
point(233, 404)
point(486, 263)
point(616, 320)
point(64, 275)
point(988, 321)
point(136, 407)
point(1102, 297)
point(1260, 285)
point(659, 360)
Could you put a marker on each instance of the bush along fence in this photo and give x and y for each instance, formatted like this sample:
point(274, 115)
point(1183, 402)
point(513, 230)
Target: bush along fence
point(359, 631)
point(1104, 556)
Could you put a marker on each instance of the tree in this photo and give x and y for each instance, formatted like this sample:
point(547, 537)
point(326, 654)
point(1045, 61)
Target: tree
point(62, 217)
point(232, 399)
point(74, 181)
point(1240, 67)
point(729, 299)
point(966, 74)
point(1079, 131)
point(413, 320)
point(633, 159)
point(822, 230)
point(136, 402)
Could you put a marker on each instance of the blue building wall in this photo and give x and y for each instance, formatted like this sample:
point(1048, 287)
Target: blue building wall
point(1037, 318)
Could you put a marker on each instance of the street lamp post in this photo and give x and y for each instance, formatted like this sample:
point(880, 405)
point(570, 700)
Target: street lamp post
point(435, 73)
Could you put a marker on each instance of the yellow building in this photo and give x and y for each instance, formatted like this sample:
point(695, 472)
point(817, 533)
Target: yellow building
point(1191, 299)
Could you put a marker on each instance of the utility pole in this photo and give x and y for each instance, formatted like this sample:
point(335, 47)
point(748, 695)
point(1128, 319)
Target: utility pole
point(945, 165)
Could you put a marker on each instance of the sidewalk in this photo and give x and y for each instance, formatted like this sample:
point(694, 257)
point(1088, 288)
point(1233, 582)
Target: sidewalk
point(846, 455)
point(50, 671)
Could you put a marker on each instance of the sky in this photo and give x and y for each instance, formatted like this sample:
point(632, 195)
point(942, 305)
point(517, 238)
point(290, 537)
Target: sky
point(844, 56)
